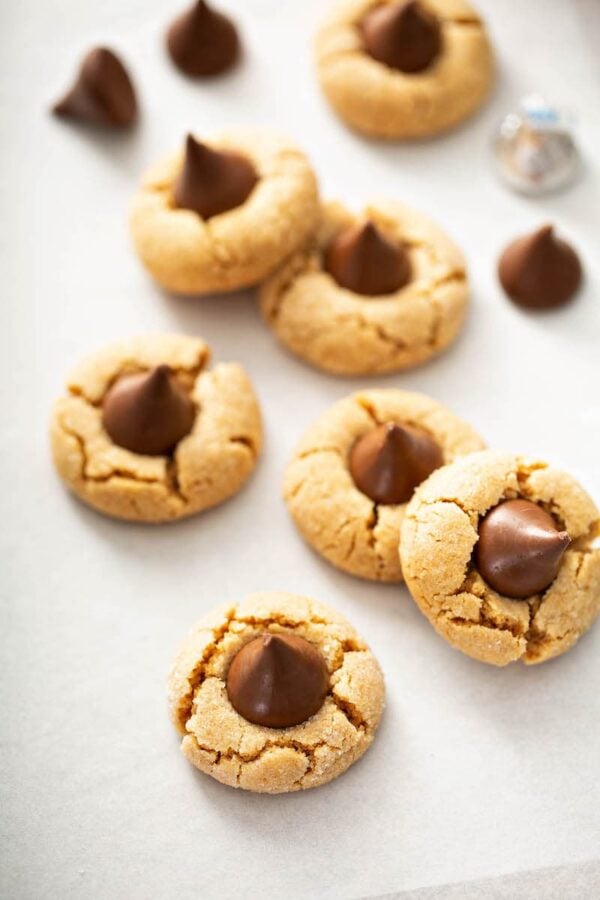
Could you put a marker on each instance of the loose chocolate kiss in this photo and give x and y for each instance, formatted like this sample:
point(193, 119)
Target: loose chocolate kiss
point(212, 181)
point(519, 549)
point(389, 462)
point(277, 680)
point(102, 93)
point(148, 413)
point(404, 36)
point(364, 260)
point(539, 270)
point(202, 41)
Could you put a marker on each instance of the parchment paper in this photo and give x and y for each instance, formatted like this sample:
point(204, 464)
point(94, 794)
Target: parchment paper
point(476, 771)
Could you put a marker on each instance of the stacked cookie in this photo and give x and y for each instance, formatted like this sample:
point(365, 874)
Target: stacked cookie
point(351, 294)
point(278, 692)
point(499, 551)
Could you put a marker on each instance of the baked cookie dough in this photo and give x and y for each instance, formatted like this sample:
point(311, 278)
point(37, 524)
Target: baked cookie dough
point(347, 333)
point(187, 253)
point(206, 466)
point(439, 545)
point(222, 743)
point(350, 529)
point(383, 101)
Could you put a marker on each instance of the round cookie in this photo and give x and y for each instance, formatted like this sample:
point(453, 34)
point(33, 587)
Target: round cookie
point(208, 464)
point(380, 100)
point(441, 531)
point(189, 254)
point(347, 333)
point(219, 741)
point(347, 527)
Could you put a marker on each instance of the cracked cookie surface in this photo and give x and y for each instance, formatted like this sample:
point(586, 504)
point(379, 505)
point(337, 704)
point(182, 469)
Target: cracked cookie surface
point(386, 103)
point(189, 255)
point(208, 465)
point(334, 517)
point(348, 334)
point(220, 742)
point(440, 531)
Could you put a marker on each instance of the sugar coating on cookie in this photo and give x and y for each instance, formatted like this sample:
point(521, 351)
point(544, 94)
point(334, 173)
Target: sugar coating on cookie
point(381, 100)
point(207, 465)
point(222, 743)
point(339, 521)
point(440, 533)
point(347, 333)
point(187, 254)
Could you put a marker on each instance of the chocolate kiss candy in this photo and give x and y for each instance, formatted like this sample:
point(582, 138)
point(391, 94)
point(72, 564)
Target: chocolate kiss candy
point(103, 92)
point(404, 36)
point(277, 680)
point(388, 463)
point(148, 413)
point(212, 181)
point(519, 548)
point(539, 270)
point(202, 41)
point(363, 260)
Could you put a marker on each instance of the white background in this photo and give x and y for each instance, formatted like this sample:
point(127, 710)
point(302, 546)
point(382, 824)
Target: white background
point(476, 771)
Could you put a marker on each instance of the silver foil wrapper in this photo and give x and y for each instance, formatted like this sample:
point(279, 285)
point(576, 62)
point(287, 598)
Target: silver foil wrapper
point(534, 148)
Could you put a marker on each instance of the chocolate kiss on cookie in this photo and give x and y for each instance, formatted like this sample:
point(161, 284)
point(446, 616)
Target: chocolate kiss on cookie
point(148, 413)
point(539, 270)
point(404, 36)
point(388, 463)
point(277, 680)
point(202, 41)
point(519, 549)
point(103, 92)
point(212, 181)
point(364, 260)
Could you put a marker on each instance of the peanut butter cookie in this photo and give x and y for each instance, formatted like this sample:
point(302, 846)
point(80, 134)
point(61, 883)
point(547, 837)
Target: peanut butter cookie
point(148, 433)
point(500, 553)
point(276, 693)
point(396, 69)
point(356, 468)
point(373, 293)
point(222, 215)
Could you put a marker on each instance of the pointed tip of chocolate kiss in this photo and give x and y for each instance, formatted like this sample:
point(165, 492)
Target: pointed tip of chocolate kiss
point(102, 93)
point(544, 233)
point(520, 548)
point(158, 381)
point(391, 460)
point(362, 259)
point(148, 413)
point(539, 270)
point(212, 181)
point(203, 41)
point(405, 36)
point(277, 680)
point(196, 148)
